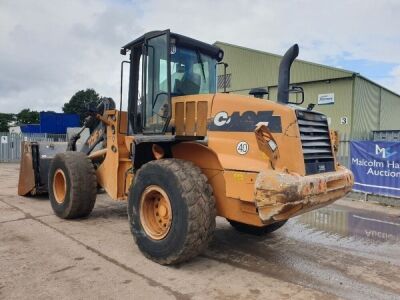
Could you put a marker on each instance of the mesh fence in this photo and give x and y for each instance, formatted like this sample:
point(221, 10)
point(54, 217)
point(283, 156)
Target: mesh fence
point(10, 143)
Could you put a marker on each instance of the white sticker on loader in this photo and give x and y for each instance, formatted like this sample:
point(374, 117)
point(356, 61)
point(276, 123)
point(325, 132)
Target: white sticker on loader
point(242, 148)
point(222, 118)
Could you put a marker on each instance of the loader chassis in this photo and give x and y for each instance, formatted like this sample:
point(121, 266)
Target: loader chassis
point(183, 154)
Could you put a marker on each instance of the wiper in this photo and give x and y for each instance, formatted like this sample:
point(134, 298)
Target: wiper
point(201, 63)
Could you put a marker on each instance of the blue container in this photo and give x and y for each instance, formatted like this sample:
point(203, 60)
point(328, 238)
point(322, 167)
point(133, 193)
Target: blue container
point(57, 123)
point(30, 128)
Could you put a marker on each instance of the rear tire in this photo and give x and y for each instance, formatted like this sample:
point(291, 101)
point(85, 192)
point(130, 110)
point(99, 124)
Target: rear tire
point(255, 230)
point(72, 185)
point(191, 211)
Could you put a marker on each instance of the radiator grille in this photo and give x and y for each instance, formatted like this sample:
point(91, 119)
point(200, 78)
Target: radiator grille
point(316, 143)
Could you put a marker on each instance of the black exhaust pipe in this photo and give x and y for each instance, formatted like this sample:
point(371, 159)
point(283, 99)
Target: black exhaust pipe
point(284, 73)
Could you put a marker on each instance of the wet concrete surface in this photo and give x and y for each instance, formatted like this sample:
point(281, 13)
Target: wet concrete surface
point(340, 251)
point(344, 252)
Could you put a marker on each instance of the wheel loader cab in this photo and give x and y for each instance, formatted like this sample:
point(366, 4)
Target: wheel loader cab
point(165, 66)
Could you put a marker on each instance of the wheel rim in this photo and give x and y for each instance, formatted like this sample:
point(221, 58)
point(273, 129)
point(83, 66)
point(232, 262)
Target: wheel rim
point(155, 212)
point(59, 186)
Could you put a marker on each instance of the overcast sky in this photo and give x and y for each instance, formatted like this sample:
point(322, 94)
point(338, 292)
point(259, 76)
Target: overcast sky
point(51, 49)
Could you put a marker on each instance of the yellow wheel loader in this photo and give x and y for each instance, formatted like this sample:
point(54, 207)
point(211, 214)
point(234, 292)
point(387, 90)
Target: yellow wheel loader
point(183, 154)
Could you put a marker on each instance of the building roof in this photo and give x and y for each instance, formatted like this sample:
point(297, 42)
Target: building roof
point(347, 72)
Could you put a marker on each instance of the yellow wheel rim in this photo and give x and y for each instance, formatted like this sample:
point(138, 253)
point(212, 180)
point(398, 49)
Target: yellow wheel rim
point(59, 186)
point(155, 212)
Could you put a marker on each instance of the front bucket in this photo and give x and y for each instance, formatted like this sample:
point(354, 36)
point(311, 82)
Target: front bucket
point(26, 183)
point(36, 158)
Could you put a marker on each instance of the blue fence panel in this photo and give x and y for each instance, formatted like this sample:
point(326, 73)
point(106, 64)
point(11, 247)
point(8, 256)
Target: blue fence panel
point(376, 167)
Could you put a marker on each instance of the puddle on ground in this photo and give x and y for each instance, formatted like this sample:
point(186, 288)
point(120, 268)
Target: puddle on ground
point(371, 226)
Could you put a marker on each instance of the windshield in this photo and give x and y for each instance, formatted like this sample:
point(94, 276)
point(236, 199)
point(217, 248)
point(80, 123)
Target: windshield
point(192, 72)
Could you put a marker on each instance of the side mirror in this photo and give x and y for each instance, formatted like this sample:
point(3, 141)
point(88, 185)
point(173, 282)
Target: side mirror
point(297, 90)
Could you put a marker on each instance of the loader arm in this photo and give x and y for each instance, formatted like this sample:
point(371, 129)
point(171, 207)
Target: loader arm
point(37, 156)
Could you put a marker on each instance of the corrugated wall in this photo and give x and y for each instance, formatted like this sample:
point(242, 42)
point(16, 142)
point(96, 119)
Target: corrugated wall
point(390, 111)
point(366, 108)
point(375, 108)
point(252, 68)
point(249, 69)
point(341, 88)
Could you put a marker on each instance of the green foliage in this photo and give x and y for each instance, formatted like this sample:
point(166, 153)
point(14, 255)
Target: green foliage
point(26, 116)
point(5, 120)
point(79, 103)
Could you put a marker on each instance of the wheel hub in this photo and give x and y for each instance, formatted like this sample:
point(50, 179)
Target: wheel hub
point(155, 212)
point(59, 186)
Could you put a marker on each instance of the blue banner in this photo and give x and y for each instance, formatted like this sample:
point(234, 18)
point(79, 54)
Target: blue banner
point(376, 167)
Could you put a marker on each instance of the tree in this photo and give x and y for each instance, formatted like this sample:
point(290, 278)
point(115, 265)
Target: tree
point(5, 120)
point(80, 101)
point(26, 116)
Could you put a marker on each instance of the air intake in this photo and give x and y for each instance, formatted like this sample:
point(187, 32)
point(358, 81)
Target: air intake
point(316, 142)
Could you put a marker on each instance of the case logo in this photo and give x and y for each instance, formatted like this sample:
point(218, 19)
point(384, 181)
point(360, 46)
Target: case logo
point(221, 118)
point(245, 122)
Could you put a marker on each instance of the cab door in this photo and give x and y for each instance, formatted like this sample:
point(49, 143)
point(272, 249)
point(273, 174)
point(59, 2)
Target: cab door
point(156, 100)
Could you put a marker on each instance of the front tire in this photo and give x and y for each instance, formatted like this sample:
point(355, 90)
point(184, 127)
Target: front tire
point(171, 211)
point(72, 185)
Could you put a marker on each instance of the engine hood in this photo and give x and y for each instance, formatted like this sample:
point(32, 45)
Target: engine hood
point(231, 133)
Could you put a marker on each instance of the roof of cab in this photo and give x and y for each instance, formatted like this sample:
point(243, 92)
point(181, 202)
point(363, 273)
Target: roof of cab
point(182, 40)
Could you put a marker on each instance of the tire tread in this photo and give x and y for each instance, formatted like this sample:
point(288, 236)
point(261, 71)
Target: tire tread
point(83, 183)
point(198, 195)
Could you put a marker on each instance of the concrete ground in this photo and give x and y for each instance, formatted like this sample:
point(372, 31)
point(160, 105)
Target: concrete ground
point(347, 250)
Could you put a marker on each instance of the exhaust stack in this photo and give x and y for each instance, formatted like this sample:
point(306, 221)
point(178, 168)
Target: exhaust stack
point(284, 73)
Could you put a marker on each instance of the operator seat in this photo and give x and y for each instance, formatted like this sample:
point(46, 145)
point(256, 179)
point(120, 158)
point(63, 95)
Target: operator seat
point(189, 84)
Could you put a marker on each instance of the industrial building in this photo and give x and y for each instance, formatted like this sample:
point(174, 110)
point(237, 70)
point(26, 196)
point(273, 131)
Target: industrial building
point(355, 105)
